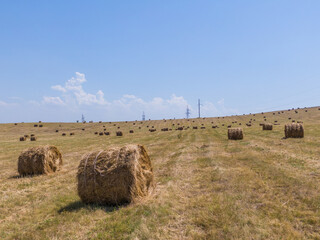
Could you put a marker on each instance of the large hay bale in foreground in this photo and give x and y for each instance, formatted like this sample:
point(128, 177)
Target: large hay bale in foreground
point(267, 126)
point(235, 133)
point(115, 176)
point(294, 130)
point(39, 160)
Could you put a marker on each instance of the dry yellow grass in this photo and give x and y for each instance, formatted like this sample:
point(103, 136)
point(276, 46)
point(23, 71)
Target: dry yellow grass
point(262, 187)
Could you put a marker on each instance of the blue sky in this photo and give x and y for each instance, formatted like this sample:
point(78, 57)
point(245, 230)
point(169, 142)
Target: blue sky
point(111, 60)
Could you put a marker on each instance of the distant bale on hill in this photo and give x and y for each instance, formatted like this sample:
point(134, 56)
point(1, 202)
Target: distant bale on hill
point(294, 130)
point(33, 138)
point(39, 160)
point(119, 133)
point(235, 134)
point(267, 126)
point(115, 176)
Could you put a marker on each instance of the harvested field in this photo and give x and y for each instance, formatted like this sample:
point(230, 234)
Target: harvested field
point(207, 187)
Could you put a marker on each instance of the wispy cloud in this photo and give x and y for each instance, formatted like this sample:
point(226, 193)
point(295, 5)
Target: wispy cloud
point(53, 100)
point(2, 103)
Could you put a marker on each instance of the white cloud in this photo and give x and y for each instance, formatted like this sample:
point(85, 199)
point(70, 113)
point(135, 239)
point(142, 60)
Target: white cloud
point(74, 98)
point(59, 88)
point(53, 100)
point(73, 87)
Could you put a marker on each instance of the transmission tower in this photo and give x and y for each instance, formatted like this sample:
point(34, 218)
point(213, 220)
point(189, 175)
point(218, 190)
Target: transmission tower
point(82, 118)
point(188, 112)
point(199, 105)
point(143, 116)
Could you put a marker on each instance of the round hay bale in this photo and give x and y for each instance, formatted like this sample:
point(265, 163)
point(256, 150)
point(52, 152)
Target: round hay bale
point(115, 176)
point(26, 135)
point(63, 134)
point(72, 134)
point(267, 126)
point(119, 133)
point(195, 127)
point(100, 133)
point(35, 125)
point(40, 125)
point(57, 130)
point(131, 131)
point(235, 134)
point(33, 138)
point(22, 139)
point(95, 133)
point(107, 133)
point(203, 127)
point(294, 130)
point(39, 160)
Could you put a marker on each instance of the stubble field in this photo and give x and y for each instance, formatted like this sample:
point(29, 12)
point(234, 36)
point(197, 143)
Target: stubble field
point(208, 187)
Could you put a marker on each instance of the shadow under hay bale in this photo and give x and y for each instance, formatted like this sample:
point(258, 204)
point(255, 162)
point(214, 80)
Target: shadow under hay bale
point(235, 134)
point(115, 176)
point(39, 160)
point(294, 130)
point(267, 126)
